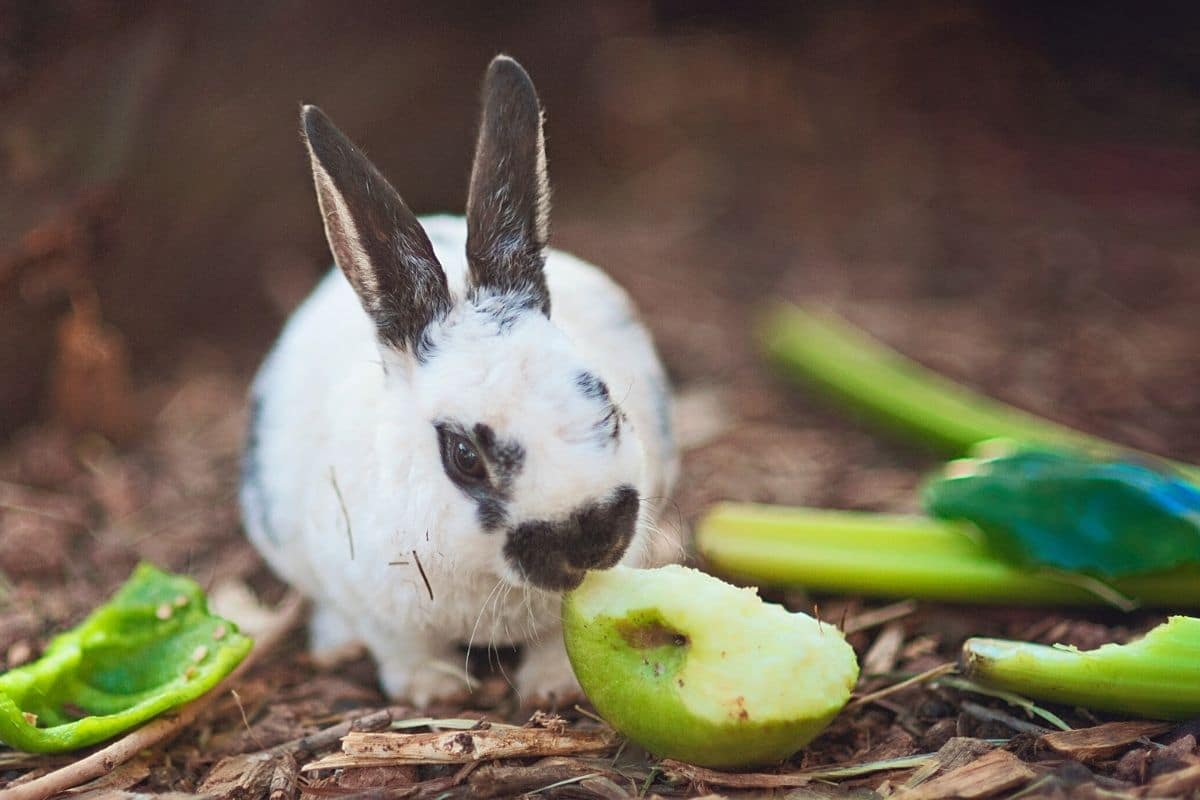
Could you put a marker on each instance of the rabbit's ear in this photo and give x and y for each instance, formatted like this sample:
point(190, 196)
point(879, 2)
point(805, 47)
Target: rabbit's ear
point(509, 200)
point(375, 238)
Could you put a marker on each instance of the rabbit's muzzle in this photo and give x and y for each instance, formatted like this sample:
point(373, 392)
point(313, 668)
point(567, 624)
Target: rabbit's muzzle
point(556, 555)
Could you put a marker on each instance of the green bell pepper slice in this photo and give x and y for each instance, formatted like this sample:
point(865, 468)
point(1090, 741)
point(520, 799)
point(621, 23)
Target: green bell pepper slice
point(151, 648)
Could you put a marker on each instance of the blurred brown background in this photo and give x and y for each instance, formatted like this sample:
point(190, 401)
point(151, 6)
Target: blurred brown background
point(1009, 190)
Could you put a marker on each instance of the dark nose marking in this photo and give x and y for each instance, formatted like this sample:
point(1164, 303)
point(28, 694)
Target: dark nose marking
point(556, 554)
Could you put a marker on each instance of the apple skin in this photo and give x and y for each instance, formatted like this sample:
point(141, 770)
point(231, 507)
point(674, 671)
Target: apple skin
point(637, 690)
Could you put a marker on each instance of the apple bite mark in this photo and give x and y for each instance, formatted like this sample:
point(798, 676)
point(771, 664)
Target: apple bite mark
point(693, 668)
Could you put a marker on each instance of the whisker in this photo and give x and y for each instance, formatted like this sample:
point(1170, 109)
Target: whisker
point(471, 638)
point(527, 599)
point(491, 643)
point(508, 589)
point(653, 525)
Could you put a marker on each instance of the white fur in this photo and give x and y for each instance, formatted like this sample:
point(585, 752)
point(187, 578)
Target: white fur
point(335, 407)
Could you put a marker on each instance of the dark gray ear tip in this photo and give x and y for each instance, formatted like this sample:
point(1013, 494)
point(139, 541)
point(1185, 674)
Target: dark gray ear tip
point(318, 129)
point(505, 75)
point(503, 62)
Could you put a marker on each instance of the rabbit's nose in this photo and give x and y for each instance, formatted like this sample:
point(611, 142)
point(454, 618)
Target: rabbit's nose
point(555, 555)
point(603, 531)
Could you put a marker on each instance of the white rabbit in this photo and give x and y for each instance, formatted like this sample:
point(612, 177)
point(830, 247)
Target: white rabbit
point(458, 413)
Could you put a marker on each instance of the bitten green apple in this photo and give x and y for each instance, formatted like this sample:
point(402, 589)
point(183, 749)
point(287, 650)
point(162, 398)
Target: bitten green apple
point(694, 669)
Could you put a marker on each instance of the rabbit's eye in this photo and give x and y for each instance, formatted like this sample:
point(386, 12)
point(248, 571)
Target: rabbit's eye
point(466, 459)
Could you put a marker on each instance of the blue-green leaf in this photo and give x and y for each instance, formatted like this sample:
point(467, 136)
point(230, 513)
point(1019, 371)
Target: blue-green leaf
point(1070, 511)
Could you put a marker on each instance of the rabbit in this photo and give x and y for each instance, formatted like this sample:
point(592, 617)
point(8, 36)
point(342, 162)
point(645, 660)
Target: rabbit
point(458, 422)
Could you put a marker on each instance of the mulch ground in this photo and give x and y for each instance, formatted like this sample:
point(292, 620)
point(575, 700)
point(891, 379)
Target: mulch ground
point(79, 512)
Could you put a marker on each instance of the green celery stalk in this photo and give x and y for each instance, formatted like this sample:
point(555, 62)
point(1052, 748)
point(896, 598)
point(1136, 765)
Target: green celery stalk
point(1157, 676)
point(881, 383)
point(897, 555)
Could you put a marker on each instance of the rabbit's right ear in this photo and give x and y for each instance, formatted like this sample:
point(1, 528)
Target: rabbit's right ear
point(375, 238)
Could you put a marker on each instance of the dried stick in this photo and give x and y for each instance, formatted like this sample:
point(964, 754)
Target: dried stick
point(106, 759)
point(927, 675)
point(362, 749)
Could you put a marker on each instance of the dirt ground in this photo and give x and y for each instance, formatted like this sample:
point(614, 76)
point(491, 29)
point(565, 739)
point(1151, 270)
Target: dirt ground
point(999, 206)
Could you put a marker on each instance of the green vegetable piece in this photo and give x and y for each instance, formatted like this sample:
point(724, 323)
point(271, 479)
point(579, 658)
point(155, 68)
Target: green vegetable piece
point(870, 378)
point(1072, 512)
point(152, 647)
point(898, 555)
point(1157, 676)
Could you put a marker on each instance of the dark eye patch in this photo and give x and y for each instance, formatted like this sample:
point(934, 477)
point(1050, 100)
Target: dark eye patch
point(489, 485)
point(507, 457)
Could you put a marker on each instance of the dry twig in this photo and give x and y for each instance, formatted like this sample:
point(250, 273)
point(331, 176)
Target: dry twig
point(985, 714)
point(702, 776)
point(927, 675)
point(459, 747)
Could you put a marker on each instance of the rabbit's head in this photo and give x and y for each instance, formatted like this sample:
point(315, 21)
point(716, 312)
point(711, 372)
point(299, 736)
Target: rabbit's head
point(534, 465)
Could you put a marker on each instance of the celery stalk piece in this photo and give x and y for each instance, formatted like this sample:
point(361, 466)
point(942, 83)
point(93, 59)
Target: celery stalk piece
point(883, 384)
point(896, 555)
point(1157, 676)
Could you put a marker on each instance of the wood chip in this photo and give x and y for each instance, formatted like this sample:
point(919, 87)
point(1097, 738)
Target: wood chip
point(879, 616)
point(240, 776)
point(360, 749)
point(956, 752)
point(604, 787)
point(881, 658)
point(996, 772)
point(1101, 741)
point(1180, 783)
point(285, 778)
point(962, 750)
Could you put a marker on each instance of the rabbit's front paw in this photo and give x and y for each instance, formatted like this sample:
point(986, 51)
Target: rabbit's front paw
point(545, 677)
point(424, 682)
point(331, 638)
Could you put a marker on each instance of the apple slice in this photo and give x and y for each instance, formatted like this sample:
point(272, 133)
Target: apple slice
point(694, 669)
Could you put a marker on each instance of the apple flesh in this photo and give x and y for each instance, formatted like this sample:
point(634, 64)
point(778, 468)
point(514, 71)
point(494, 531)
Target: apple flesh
point(695, 669)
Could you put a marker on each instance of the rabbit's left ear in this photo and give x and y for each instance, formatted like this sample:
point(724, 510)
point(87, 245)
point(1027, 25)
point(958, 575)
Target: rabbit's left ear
point(508, 205)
